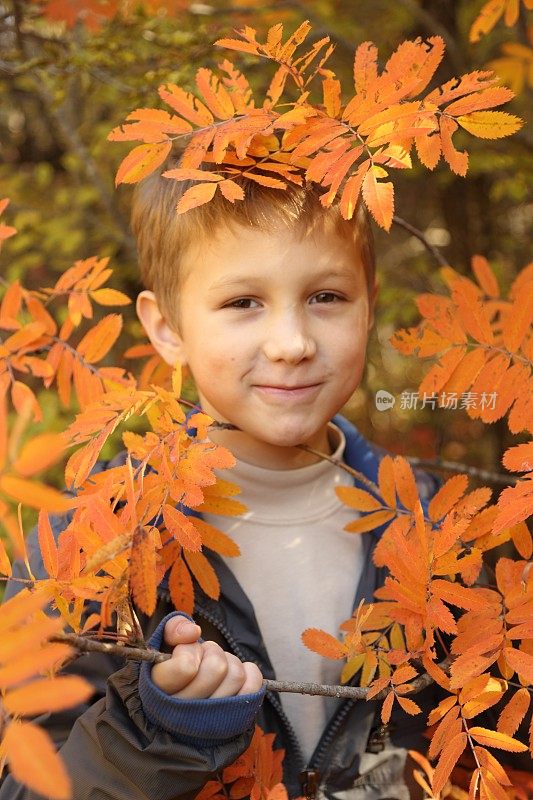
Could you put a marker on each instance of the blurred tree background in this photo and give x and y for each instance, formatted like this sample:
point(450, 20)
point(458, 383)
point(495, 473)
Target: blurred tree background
point(71, 70)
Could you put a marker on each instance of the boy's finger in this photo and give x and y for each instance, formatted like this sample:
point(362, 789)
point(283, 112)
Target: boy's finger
point(213, 670)
point(254, 679)
point(180, 630)
point(175, 673)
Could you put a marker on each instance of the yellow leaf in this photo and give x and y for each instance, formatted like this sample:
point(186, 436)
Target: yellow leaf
point(33, 761)
point(490, 124)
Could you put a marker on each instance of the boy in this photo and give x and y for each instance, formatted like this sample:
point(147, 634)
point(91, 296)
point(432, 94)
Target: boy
point(269, 302)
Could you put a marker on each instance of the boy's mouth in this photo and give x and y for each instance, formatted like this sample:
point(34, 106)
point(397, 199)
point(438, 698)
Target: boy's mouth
point(288, 392)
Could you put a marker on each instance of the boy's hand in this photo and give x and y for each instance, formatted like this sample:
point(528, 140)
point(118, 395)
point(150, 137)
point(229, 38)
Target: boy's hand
point(202, 670)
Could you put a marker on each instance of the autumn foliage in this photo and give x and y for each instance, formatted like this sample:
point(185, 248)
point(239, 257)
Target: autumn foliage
point(124, 525)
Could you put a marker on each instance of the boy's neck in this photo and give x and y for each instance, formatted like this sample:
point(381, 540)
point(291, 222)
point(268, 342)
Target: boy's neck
point(269, 456)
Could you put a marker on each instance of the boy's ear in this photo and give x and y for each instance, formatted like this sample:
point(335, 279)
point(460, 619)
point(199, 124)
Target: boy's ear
point(164, 338)
point(372, 305)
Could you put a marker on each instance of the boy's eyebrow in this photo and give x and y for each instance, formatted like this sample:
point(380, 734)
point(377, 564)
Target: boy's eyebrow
point(236, 280)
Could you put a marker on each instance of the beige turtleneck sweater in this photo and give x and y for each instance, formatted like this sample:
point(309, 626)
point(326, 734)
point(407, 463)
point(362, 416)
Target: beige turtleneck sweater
point(299, 569)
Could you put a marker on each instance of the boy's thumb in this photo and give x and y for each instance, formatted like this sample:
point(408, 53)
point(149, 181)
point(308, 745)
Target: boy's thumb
point(180, 630)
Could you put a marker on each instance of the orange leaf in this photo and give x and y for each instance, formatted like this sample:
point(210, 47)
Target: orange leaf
point(405, 483)
point(25, 401)
point(447, 761)
point(204, 573)
point(186, 104)
point(369, 521)
point(181, 528)
point(379, 199)
point(34, 762)
point(181, 587)
point(485, 276)
point(5, 563)
point(323, 643)
point(521, 662)
point(41, 696)
point(514, 712)
point(34, 494)
point(358, 499)
point(20, 607)
point(100, 339)
point(517, 322)
point(409, 706)
point(519, 458)
point(522, 540)
point(386, 481)
point(142, 161)
point(39, 453)
point(196, 196)
point(47, 544)
point(110, 297)
point(458, 162)
point(216, 97)
point(490, 124)
point(216, 540)
point(472, 313)
point(142, 569)
point(447, 496)
point(386, 708)
point(231, 190)
point(30, 664)
point(487, 18)
point(489, 738)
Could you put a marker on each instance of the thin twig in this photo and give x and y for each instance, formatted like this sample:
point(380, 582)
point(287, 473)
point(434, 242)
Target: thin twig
point(435, 252)
point(84, 645)
point(454, 466)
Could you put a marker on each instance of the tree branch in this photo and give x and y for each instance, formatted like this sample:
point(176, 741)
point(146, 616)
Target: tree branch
point(84, 645)
point(435, 252)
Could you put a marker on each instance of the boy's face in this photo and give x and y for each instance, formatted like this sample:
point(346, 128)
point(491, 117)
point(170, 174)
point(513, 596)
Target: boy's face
point(274, 329)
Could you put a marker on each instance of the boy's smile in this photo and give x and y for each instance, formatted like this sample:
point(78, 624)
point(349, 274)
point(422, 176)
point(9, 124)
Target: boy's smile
point(273, 327)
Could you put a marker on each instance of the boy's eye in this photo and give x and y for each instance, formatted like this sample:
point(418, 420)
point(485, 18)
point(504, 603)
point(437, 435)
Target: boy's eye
point(326, 297)
point(242, 302)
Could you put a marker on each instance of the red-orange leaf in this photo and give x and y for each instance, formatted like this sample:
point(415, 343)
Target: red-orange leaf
point(34, 762)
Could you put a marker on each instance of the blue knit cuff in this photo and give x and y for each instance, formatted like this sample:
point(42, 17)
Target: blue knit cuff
point(202, 722)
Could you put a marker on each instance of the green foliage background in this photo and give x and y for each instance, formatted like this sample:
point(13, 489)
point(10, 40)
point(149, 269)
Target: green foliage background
point(62, 90)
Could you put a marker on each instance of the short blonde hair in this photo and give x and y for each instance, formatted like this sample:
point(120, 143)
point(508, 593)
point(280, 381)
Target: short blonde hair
point(163, 236)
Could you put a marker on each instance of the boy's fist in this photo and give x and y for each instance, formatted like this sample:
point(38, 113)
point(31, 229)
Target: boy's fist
point(204, 669)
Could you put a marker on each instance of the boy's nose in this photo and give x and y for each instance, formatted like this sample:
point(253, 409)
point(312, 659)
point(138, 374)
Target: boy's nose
point(288, 340)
